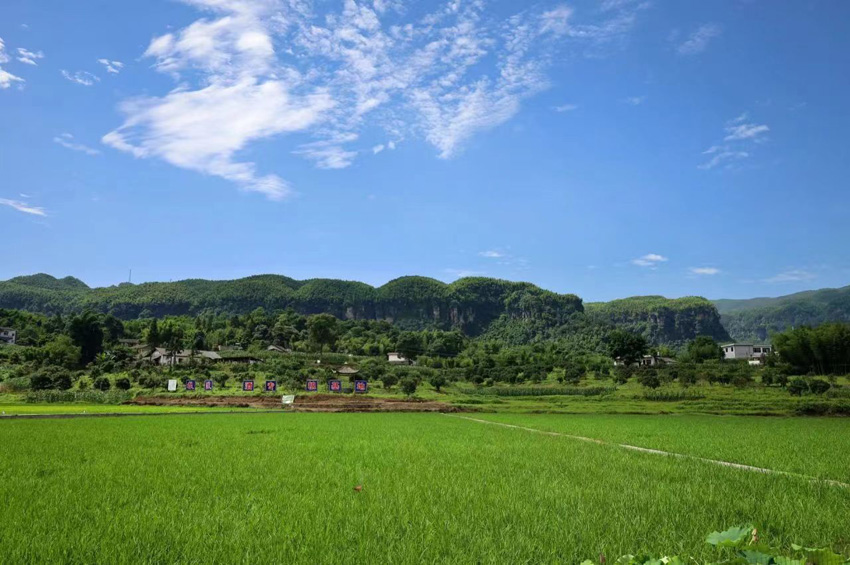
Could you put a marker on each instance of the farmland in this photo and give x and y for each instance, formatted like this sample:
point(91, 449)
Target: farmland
point(435, 488)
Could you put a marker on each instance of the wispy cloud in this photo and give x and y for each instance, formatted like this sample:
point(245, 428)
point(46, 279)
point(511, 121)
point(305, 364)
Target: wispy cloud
point(83, 78)
point(794, 275)
point(6, 78)
point(566, 108)
point(462, 273)
point(649, 260)
point(709, 271)
point(492, 254)
point(23, 207)
point(741, 135)
point(251, 71)
point(113, 67)
point(29, 57)
point(698, 41)
point(635, 100)
point(67, 140)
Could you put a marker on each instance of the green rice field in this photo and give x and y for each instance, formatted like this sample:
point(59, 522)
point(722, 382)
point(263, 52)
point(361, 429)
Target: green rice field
point(280, 488)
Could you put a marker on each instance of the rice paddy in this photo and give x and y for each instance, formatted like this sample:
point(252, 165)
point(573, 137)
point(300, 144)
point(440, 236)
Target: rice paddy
point(434, 488)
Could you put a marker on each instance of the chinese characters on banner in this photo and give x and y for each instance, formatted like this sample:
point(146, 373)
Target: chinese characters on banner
point(335, 386)
point(190, 385)
point(271, 386)
point(312, 386)
point(208, 385)
point(248, 386)
point(360, 386)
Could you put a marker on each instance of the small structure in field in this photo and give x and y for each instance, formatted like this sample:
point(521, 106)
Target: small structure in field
point(647, 361)
point(346, 371)
point(278, 349)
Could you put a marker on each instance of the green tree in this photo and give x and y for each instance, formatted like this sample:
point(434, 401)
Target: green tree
point(62, 352)
point(409, 344)
point(86, 332)
point(626, 346)
point(152, 337)
point(704, 348)
point(323, 331)
point(438, 380)
point(113, 328)
point(408, 386)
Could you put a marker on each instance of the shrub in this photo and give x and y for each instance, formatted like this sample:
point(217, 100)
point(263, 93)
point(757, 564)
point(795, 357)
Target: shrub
point(102, 384)
point(649, 379)
point(817, 386)
point(41, 381)
point(798, 386)
point(408, 386)
point(123, 383)
point(62, 381)
point(389, 380)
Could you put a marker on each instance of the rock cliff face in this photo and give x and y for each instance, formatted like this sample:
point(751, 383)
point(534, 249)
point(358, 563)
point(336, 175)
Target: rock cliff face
point(662, 320)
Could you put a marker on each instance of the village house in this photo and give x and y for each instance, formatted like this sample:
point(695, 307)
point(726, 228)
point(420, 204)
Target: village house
point(8, 336)
point(160, 356)
point(278, 349)
point(754, 354)
point(396, 358)
point(647, 361)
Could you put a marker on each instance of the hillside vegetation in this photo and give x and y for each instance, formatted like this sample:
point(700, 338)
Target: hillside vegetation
point(513, 312)
point(757, 318)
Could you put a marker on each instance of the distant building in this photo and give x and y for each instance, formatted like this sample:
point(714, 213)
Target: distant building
point(130, 342)
point(239, 359)
point(236, 347)
point(647, 361)
point(396, 358)
point(160, 356)
point(8, 336)
point(755, 354)
point(279, 349)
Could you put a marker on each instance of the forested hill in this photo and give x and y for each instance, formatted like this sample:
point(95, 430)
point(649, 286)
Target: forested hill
point(659, 319)
point(757, 318)
point(513, 312)
point(470, 304)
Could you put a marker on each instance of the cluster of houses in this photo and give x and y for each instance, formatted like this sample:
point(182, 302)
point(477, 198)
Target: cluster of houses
point(754, 354)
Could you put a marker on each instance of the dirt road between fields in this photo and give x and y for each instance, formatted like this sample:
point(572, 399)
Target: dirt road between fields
point(311, 403)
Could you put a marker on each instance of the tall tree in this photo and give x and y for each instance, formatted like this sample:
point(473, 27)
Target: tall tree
point(113, 328)
point(87, 334)
point(152, 336)
point(626, 346)
point(323, 330)
point(704, 348)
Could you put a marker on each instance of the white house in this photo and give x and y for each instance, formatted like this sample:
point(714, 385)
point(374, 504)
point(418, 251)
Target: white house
point(8, 335)
point(160, 356)
point(755, 354)
point(396, 358)
point(647, 361)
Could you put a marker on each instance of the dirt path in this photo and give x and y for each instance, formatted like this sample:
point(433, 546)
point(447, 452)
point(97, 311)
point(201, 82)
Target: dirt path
point(730, 464)
point(311, 403)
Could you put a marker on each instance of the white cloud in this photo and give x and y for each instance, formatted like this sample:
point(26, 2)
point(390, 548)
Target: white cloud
point(704, 271)
point(698, 41)
point(6, 78)
point(794, 275)
point(29, 57)
point(635, 100)
point(462, 273)
point(566, 108)
point(83, 78)
point(23, 207)
point(741, 135)
point(649, 260)
point(378, 148)
point(113, 67)
point(492, 254)
point(252, 70)
point(67, 140)
point(745, 131)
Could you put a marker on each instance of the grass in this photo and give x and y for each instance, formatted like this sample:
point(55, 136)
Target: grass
point(16, 409)
point(818, 447)
point(279, 488)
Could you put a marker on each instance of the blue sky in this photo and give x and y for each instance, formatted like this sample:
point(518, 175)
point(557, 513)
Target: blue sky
point(608, 147)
